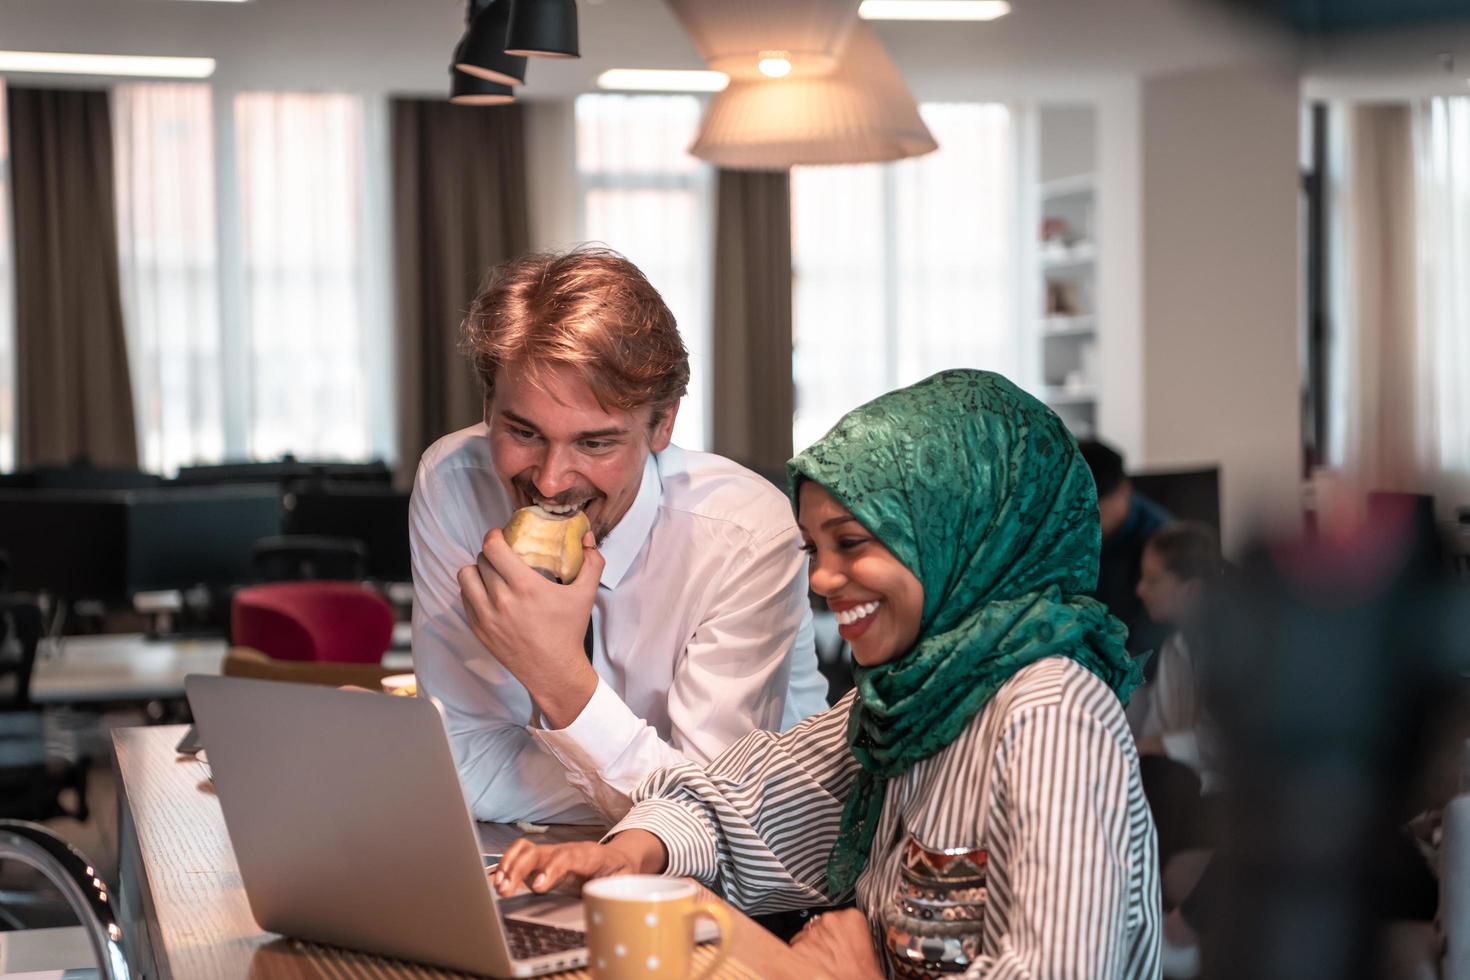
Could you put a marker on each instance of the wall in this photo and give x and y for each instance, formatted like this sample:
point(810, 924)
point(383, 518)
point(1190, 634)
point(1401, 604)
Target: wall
point(1119, 270)
point(1068, 135)
point(1220, 294)
point(551, 173)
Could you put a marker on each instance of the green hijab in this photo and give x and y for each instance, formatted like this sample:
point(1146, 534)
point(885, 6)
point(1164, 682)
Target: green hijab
point(981, 492)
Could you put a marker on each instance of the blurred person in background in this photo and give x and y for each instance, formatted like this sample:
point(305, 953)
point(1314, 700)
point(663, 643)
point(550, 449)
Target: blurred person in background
point(1180, 562)
point(1128, 520)
point(1178, 751)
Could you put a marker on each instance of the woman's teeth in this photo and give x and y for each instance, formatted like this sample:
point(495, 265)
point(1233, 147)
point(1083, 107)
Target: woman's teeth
point(849, 616)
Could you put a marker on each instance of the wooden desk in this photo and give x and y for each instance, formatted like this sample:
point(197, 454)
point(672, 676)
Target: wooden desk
point(121, 667)
point(184, 907)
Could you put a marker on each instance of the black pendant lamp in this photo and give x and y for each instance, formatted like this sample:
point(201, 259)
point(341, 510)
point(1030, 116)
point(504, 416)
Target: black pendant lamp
point(472, 90)
point(543, 28)
point(481, 52)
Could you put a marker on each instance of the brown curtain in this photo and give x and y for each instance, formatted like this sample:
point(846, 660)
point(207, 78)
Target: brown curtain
point(459, 208)
point(753, 392)
point(1381, 437)
point(74, 397)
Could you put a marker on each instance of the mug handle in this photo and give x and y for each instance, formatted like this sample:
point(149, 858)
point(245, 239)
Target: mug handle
point(721, 915)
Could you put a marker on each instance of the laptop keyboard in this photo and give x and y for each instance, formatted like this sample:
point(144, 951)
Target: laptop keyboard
point(531, 939)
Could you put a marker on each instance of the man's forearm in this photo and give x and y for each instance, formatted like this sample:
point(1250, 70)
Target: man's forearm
point(561, 697)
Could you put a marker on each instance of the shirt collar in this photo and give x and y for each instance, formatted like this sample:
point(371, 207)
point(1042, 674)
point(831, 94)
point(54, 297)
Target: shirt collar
point(625, 541)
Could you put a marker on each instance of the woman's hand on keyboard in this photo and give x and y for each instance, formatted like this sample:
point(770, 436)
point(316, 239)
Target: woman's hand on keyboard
point(541, 867)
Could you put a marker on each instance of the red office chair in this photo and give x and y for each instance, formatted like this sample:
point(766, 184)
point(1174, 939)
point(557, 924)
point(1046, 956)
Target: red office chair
point(321, 622)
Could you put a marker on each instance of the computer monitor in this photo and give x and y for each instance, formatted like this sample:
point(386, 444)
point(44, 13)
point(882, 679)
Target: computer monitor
point(109, 545)
point(376, 516)
point(283, 472)
point(182, 537)
point(1192, 495)
point(69, 543)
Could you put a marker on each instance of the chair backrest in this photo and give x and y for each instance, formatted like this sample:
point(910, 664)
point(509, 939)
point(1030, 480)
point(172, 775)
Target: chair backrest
point(245, 662)
point(297, 557)
point(327, 622)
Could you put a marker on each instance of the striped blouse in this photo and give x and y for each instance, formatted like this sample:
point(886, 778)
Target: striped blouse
point(1023, 849)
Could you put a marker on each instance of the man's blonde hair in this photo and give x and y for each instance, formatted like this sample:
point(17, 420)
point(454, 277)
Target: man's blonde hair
point(589, 309)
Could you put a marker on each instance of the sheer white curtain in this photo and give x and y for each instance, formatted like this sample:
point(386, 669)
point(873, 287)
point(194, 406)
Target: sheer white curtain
point(1442, 145)
point(1399, 355)
point(7, 301)
point(163, 139)
point(904, 269)
point(309, 304)
point(645, 196)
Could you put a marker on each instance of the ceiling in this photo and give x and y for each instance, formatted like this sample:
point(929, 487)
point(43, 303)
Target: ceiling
point(1044, 47)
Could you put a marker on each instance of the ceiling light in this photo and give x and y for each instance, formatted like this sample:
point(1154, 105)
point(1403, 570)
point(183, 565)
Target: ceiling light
point(543, 29)
point(933, 9)
point(482, 49)
point(662, 80)
point(733, 35)
point(148, 66)
point(473, 90)
point(861, 113)
point(774, 64)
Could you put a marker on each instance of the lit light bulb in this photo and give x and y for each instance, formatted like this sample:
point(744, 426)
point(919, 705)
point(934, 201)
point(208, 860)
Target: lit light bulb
point(775, 64)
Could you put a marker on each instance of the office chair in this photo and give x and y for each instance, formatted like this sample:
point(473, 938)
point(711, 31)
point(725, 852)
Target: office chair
point(297, 557)
point(313, 622)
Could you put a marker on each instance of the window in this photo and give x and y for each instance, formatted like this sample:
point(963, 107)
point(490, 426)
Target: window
point(645, 196)
point(904, 269)
point(1397, 352)
point(299, 161)
point(167, 255)
point(1442, 137)
point(7, 302)
point(253, 249)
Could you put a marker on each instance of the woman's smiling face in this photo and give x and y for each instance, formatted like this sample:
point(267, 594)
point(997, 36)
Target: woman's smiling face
point(879, 603)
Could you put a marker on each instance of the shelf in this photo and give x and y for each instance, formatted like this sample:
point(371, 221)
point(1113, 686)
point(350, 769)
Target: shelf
point(1069, 326)
point(1076, 256)
point(1077, 186)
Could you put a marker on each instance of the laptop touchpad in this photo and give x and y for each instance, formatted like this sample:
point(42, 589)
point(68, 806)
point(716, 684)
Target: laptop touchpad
point(561, 911)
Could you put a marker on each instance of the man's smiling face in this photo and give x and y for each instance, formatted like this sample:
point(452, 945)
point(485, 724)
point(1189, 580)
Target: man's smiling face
point(553, 444)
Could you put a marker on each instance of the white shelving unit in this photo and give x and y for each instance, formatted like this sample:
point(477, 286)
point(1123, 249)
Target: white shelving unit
point(1066, 256)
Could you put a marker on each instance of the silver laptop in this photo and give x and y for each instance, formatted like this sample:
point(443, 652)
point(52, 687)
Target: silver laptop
point(350, 829)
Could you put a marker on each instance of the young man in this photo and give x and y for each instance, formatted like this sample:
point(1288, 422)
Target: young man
point(1128, 520)
point(695, 590)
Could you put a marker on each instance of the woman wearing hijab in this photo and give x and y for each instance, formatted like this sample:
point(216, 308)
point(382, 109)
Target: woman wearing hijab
point(978, 791)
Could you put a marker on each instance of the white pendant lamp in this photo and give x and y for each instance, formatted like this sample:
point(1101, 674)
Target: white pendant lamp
point(768, 38)
point(861, 113)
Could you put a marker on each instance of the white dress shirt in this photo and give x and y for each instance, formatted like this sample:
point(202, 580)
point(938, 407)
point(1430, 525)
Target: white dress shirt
point(702, 634)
